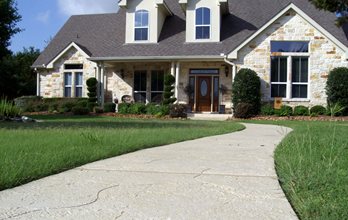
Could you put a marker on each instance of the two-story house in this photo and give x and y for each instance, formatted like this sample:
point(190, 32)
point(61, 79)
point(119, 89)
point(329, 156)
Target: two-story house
point(203, 43)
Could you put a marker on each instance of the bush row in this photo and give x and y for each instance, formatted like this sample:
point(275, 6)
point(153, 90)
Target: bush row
point(268, 110)
point(174, 110)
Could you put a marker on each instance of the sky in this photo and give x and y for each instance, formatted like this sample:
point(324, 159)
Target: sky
point(42, 19)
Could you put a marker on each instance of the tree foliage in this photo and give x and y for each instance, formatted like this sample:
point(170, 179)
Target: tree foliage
point(334, 6)
point(17, 78)
point(9, 18)
point(169, 82)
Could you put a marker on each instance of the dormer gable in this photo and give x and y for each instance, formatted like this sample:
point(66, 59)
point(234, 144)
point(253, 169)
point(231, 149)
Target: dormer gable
point(144, 19)
point(203, 19)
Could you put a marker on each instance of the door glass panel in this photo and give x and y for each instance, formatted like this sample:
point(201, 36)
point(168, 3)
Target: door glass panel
point(216, 87)
point(204, 88)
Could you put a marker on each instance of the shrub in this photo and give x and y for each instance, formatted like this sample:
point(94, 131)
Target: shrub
point(169, 81)
point(267, 109)
point(8, 109)
point(137, 109)
point(82, 103)
point(337, 88)
point(78, 110)
point(92, 89)
point(98, 110)
point(40, 107)
point(301, 111)
point(67, 106)
point(244, 110)
point(247, 89)
point(318, 110)
point(123, 108)
point(158, 110)
point(335, 110)
point(26, 103)
point(178, 111)
point(284, 111)
point(91, 106)
point(109, 107)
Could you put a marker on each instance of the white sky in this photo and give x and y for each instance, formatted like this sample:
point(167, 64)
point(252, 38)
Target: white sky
point(76, 7)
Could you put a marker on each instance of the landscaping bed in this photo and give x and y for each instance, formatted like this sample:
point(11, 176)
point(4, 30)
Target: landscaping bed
point(295, 118)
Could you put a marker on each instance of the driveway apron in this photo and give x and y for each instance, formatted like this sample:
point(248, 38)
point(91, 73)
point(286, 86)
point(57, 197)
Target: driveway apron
point(229, 176)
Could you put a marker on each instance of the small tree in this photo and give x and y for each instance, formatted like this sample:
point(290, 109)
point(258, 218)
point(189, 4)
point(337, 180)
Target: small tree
point(247, 89)
point(337, 88)
point(92, 92)
point(169, 82)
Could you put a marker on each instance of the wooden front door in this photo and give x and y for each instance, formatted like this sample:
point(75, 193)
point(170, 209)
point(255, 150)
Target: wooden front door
point(204, 94)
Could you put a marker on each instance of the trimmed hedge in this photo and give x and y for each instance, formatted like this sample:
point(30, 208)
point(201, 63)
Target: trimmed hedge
point(337, 88)
point(169, 82)
point(267, 110)
point(284, 111)
point(140, 108)
point(78, 110)
point(301, 111)
point(109, 107)
point(318, 110)
point(247, 89)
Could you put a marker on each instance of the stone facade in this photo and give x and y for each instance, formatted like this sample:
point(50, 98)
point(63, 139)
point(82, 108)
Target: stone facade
point(324, 55)
point(52, 81)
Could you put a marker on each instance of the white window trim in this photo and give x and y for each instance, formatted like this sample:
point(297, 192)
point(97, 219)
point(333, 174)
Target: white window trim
point(142, 27)
point(73, 85)
point(203, 25)
point(289, 82)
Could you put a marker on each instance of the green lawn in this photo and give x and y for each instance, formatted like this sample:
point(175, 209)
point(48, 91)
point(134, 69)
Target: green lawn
point(35, 150)
point(312, 164)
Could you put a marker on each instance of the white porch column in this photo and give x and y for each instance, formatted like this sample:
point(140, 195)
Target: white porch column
point(37, 83)
point(98, 76)
point(177, 78)
point(102, 84)
point(172, 69)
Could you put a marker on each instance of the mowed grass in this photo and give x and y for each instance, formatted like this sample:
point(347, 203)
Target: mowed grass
point(312, 164)
point(34, 150)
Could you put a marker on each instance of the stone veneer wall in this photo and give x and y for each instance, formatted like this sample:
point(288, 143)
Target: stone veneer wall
point(324, 55)
point(52, 81)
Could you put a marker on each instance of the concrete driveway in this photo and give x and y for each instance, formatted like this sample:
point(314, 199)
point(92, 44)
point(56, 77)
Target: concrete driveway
point(222, 177)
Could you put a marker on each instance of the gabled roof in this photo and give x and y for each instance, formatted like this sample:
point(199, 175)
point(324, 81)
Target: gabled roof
point(103, 35)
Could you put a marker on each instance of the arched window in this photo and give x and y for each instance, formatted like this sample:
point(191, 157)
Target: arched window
point(141, 25)
point(203, 23)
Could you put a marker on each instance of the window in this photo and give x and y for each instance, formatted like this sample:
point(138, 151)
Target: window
point(67, 84)
point(279, 76)
point(294, 61)
point(140, 86)
point(289, 46)
point(78, 84)
point(73, 66)
point(157, 86)
point(141, 25)
point(203, 23)
point(300, 77)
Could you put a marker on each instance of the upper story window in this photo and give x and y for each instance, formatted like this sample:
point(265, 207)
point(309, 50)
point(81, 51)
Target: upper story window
point(203, 23)
point(141, 25)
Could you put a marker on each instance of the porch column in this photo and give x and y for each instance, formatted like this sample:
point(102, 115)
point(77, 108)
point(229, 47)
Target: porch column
point(234, 72)
point(37, 83)
point(99, 83)
point(102, 84)
point(177, 80)
point(172, 69)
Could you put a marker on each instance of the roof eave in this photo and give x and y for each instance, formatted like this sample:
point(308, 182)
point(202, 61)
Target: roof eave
point(156, 58)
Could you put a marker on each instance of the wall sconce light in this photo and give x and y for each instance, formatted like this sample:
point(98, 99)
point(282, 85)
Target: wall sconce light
point(227, 70)
point(122, 73)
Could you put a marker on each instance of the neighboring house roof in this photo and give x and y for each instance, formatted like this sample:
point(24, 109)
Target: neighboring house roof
point(103, 35)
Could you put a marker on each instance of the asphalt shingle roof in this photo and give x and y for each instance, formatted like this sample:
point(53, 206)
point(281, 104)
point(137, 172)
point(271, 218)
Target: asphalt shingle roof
point(103, 35)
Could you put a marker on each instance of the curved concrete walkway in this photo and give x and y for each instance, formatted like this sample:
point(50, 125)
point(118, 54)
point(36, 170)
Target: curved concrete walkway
point(223, 177)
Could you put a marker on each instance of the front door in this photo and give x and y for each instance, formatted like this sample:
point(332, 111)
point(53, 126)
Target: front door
point(204, 98)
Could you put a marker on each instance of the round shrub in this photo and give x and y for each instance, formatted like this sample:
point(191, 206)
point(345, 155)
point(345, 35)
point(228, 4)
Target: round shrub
point(109, 107)
point(78, 110)
point(284, 111)
point(301, 111)
point(137, 109)
point(124, 108)
point(337, 88)
point(91, 82)
point(318, 110)
point(243, 110)
point(267, 110)
point(247, 89)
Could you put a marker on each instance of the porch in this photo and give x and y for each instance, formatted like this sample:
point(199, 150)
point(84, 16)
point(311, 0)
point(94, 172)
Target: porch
point(205, 86)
